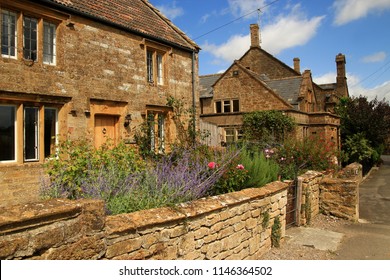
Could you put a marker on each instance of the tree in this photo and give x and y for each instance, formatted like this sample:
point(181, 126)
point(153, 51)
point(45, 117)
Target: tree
point(370, 120)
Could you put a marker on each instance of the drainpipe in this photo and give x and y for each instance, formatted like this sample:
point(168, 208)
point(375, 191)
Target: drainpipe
point(193, 98)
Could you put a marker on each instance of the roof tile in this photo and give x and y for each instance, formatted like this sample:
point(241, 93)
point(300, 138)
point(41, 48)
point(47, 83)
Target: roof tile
point(136, 15)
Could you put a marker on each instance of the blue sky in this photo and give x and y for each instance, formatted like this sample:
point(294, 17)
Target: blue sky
point(313, 30)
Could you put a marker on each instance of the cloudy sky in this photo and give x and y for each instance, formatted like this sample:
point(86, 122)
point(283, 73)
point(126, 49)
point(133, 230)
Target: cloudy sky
point(313, 30)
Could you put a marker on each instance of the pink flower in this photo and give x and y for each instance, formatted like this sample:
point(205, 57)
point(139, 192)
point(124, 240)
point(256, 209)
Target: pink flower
point(240, 166)
point(212, 165)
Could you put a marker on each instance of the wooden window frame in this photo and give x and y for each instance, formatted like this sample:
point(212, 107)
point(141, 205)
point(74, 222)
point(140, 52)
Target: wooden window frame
point(155, 66)
point(15, 134)
point(36, 54)
point(40, 137)
point(220, 106)
point(11, 37)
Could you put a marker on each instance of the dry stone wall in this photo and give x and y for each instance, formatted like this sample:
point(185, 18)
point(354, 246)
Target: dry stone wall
point(340, 195)
point(336, 195)
point(230, 226)
point(309, 203)
point(20, 184)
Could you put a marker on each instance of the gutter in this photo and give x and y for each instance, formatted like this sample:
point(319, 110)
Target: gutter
point(193, 98)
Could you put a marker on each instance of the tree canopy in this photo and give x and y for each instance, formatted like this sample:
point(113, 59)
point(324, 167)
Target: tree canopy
point(364, 121)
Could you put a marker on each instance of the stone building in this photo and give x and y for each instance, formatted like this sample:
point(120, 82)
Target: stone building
point(80, 68)
point(258, 81)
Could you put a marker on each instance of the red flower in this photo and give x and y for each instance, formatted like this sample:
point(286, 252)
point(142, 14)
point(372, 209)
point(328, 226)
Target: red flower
point(240, 166)
point(212, 165)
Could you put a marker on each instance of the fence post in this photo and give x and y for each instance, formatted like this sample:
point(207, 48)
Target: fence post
point(298, 201)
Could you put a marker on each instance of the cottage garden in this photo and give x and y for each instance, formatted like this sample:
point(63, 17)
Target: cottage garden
point(129, 179)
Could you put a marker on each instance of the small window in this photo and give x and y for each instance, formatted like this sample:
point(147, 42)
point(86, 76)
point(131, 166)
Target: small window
point(236, 107)
point(156, 123)
point(233, 134)
point(8, 34)
point(160, 72)
point(161, 133)
point(218, 107)
point(31, 133)
point(49, 43)
point(155, 67)
point(226, 106)
point(229, 135)
point(50, 131)
point(149, 62)
point(30, 38)
point(7, 133)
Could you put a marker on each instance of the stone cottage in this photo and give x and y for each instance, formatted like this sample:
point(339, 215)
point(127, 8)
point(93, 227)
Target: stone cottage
point(81, 68)
point(258, 81)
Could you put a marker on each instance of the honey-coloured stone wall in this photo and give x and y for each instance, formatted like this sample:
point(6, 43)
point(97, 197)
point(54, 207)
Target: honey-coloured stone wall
point(230, 226)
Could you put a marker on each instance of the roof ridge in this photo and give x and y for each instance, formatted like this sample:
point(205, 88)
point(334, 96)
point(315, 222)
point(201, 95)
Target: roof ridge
point(286, 78)
point(171, 24)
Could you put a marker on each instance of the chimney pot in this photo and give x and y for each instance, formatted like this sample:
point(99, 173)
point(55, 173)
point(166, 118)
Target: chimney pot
point(297, 64)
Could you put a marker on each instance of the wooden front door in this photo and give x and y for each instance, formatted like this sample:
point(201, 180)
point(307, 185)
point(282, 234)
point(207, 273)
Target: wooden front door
point(105, 129)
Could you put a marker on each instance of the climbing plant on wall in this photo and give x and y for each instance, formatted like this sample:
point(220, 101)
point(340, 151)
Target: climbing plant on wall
point(267, 126)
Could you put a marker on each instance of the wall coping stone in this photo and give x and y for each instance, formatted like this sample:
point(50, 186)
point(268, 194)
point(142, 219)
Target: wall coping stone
point(30, 215)
point(133, 222)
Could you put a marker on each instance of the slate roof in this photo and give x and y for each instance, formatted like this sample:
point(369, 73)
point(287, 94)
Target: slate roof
point(206, 82)
point(287, 88)
point(133, 15)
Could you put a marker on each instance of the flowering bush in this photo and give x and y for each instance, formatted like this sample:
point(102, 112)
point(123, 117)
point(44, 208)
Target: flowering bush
point(233, 179)
point(125, 182)
point(295, 156)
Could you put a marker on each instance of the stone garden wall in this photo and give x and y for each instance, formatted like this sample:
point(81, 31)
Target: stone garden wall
point(230, 226)
point(339, 196)
point(308, 196)
point(336, 195)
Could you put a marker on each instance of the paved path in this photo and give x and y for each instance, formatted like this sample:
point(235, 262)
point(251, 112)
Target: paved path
point(370, 239)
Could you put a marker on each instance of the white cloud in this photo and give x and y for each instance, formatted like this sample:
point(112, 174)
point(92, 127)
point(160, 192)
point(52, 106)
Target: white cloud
point(171, 11)
point(349, 10)
point(380, 92)
point(233, 49)
point(376, 57)
point(289, 31)
point(243, 7)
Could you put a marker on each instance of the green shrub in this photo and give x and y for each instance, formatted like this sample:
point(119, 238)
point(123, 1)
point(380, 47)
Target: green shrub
point(248, 169)
point(261, 170)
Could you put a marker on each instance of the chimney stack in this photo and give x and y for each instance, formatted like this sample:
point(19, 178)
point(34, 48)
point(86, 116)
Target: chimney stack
point(341, 79)
point(297, 64)
point(340, 63)
point(255, 36)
